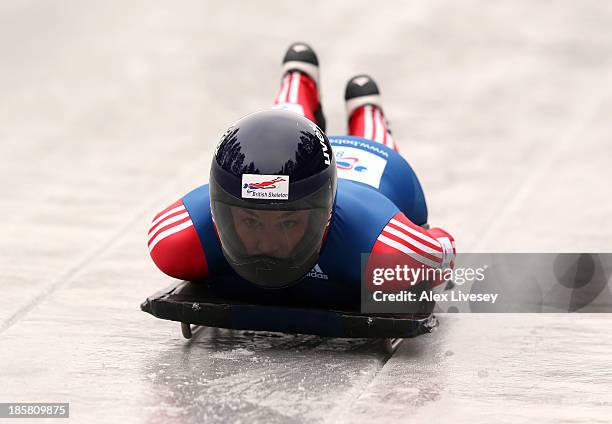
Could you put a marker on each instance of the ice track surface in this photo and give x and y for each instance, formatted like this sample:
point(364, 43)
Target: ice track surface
point(110, 111)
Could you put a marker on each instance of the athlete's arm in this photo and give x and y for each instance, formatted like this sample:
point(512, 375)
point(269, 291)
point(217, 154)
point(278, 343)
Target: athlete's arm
point(415, 246)
point(175, 246)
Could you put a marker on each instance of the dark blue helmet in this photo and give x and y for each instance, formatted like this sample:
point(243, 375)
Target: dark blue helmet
point(272, 190)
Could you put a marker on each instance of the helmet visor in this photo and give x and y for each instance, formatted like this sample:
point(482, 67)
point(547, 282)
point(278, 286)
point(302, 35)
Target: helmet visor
point(271, 247)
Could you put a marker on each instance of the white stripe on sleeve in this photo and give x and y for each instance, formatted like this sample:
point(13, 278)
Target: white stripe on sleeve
point(164, 215)
point(405, 249)
point(169, 232)
point(415, 232)
point(168, 221)
point(413, 241)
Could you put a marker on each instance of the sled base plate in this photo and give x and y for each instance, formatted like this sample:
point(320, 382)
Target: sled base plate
point(197, 304)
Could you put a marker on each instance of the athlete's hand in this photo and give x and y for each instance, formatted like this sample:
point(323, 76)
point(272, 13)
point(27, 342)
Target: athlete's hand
point(448, 246)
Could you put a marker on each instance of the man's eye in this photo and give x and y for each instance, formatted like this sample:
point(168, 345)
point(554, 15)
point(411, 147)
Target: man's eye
point(250, 222)
point(289, 224)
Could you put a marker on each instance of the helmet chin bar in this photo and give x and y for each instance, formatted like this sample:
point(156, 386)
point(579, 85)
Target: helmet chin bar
point(272, 273)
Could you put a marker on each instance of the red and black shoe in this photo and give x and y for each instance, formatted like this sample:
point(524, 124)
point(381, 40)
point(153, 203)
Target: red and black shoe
point(364, 110)
point(299, 87)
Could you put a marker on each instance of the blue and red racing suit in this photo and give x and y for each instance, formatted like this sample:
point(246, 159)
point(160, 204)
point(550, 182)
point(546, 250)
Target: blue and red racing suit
point(380, 209)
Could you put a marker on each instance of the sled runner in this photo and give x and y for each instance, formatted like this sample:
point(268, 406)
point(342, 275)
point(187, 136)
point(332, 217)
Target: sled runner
point(196, 304)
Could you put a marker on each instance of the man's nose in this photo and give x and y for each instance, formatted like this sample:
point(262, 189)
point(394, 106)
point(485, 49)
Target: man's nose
point(269, 244)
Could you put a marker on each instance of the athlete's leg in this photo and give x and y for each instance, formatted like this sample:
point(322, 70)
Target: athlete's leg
point(363, 107)
point(299, 86)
